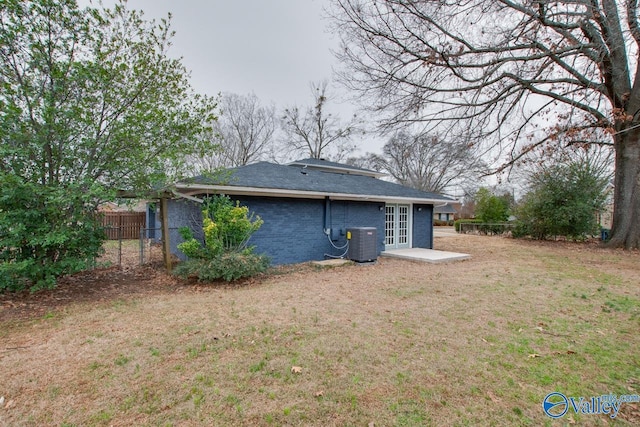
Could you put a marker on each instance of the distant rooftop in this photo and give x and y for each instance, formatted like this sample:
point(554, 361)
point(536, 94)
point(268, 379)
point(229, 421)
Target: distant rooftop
point(448, 209)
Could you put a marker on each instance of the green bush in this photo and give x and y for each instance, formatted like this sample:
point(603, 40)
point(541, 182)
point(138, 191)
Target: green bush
point(563, 201)
point(227, 266)
point(520, 230)
point(491, 208)
point(45, 232)
point(227, 228)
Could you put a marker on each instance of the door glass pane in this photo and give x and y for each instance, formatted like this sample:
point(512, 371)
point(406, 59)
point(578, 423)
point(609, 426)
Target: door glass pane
point(389, 225)
point(403, 224)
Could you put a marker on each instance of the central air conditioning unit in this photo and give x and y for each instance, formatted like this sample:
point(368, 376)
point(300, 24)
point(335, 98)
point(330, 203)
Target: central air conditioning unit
point(363, 245)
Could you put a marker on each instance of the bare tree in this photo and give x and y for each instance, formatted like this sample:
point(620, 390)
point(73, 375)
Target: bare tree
point(316, 132)
point(518, 74)
point(427, 162)
point(244, 131)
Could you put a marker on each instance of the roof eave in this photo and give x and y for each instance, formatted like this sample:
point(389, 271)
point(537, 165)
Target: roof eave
point(191, 189)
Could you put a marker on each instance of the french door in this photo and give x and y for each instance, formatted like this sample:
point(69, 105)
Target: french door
point(396, 226)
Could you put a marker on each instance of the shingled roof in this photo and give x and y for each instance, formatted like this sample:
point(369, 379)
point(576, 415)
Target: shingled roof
point(328, 166)
point(269, 179)
point(446, 209)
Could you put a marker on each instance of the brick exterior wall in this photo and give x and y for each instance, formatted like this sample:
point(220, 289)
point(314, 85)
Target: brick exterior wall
point(293, 229)
point(348, 214)
point(182, 213)
point(423, 226)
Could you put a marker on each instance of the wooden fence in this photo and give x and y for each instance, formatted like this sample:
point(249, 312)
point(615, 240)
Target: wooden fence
point(123, 225)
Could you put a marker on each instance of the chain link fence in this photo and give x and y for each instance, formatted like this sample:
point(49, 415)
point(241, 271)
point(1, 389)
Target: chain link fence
point(150, 245)
point(130, 253)
point(486, 228)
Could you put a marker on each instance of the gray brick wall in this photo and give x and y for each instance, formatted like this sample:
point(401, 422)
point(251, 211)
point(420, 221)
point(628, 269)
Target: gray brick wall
point(348, 214)
point(183, 213)
point(293, 229)
point(423, 226)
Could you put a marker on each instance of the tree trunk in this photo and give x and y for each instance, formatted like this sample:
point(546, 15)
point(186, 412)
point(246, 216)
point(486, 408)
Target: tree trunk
point(626, 204)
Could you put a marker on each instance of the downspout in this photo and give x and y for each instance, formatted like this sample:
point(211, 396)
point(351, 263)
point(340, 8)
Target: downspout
point(327, 216)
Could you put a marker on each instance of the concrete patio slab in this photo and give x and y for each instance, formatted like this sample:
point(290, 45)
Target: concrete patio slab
point(425, 255)
point(332, 262)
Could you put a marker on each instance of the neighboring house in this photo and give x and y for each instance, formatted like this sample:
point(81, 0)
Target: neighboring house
point(308, 205)
point(444, 212)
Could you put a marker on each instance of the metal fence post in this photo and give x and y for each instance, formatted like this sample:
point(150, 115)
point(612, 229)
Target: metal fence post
point(120, 247)
point(166, 246)
point(141, 245)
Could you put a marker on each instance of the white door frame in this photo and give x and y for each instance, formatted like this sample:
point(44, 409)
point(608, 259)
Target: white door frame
point(398, 226)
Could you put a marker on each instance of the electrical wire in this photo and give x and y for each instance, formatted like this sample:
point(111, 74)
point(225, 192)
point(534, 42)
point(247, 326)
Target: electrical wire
point(346, 245)
point(337, 256)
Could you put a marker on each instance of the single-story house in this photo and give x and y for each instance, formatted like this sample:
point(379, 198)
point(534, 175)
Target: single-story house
point(444, 212)
point(308, 205)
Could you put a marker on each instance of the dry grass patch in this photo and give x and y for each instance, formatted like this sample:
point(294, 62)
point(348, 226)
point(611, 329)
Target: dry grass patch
point(397, 343)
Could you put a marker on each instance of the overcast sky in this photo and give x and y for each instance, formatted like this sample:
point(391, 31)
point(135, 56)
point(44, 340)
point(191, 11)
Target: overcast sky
point(273, 48)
